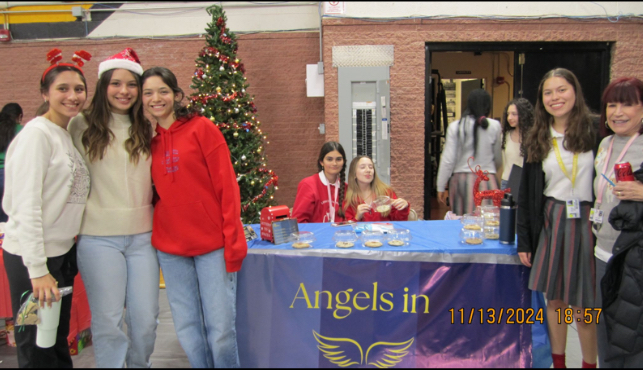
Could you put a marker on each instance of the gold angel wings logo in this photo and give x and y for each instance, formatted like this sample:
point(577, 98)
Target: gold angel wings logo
point(336, 349)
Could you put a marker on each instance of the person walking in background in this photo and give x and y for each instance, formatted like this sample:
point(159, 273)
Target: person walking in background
point(10, 125)
point(473, 135)
point(619, 345)
point(517, 119)
point(116, 259)
point(320, 197)
point(197, 229)
point(554, 232)
point(46, 188)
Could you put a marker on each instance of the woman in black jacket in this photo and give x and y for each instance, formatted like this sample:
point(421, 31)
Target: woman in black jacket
point(554, 232)
point(619, 253)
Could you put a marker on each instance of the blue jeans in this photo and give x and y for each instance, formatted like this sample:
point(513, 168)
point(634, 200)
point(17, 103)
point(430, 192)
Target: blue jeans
point(203, 300)
point(503, 184)
point(118, 272)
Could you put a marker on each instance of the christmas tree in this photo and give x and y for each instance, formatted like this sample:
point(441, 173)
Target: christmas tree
point(220, 95)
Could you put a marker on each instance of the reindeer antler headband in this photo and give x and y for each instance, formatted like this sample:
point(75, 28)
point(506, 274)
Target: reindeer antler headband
point(55, 55)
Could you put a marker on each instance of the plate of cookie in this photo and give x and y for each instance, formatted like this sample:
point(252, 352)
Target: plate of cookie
point(398, 237)
point(302, 239)
point(372, 238)
point(472, 237)
point(345, 238)
point(472, 222)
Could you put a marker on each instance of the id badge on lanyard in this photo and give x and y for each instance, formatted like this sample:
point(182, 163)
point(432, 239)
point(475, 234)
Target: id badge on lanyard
point(573, 204)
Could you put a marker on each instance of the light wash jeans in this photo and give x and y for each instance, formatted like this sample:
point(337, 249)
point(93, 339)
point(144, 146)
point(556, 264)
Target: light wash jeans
point(121, 272)
point(203, 300)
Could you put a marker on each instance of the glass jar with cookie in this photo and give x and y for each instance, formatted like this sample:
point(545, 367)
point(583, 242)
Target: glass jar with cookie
point(372, 238)
point(345, 238)
point(398, 237)
point(472, 222)
point(471, 237)
point(302, 239)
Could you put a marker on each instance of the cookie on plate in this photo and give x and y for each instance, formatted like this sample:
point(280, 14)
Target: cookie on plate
point(396, 243)
point(373, 244)
point(344, 244)
point(491, 236)
point(473, 241)
point(472, 227)
point(300, 245)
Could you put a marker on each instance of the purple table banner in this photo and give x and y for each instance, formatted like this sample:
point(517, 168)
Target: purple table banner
point(384, 310)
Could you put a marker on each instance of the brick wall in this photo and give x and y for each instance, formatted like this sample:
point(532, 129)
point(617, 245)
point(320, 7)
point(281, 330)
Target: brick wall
point(407, 74)
point(275, 69)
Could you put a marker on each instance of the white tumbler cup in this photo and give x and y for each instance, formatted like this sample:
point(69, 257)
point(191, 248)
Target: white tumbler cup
point(48, 325)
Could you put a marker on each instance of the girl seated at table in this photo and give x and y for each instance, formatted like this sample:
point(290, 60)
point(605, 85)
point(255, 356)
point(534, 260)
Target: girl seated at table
point(319, 196)
point(364, 186)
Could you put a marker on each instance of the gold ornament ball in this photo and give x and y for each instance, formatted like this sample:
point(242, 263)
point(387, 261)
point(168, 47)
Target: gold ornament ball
point(218, 89)
point(236, 134)
point(252, 182)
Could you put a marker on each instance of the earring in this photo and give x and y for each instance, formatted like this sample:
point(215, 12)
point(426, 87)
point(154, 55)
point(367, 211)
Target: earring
point(609, 127)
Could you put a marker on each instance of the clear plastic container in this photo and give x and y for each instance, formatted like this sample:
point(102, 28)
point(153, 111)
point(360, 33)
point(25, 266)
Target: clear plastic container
point(302, 239)
point(491, 215)
point(372, 238)
point(399, 237)
point(345, 238)
point(472, 222)
point(382, 205)
point(471, 237)
point(492, 232)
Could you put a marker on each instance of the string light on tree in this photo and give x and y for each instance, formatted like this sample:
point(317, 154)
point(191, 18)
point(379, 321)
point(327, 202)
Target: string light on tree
point(220, 90)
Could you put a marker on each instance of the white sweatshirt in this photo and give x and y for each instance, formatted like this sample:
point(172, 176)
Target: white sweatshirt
point(120, 201)
point(458, 149)
point(46, 187)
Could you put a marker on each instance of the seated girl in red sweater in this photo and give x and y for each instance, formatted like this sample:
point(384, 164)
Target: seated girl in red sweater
point(363, 188)
point(319, 196)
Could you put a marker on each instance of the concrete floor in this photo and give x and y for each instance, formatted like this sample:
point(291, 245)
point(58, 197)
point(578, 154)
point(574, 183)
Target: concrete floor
point(167, 350)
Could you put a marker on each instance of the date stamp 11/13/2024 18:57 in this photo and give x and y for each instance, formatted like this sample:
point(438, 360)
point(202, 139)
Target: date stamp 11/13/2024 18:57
point(521, 315)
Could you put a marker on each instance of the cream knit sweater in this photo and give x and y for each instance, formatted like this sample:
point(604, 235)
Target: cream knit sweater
point(120, 200)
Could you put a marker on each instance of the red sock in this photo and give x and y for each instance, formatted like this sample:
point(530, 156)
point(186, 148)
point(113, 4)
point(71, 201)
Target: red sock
point(588, 366)
point(559, 361)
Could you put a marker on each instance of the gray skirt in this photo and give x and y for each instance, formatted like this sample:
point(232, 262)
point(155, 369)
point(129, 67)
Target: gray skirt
point(564, 267)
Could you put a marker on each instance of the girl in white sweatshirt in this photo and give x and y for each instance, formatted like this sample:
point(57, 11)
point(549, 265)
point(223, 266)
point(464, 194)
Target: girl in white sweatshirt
point(46, 188)
point(116, 259)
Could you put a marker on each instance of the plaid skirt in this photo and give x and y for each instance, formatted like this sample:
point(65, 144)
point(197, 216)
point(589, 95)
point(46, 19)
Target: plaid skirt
point(461, 191)
point(564, 267)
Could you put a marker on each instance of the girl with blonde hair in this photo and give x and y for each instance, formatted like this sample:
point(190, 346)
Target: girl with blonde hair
point(364, 186)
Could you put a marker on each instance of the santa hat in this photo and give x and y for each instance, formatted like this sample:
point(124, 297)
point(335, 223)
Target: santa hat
point(126, 59)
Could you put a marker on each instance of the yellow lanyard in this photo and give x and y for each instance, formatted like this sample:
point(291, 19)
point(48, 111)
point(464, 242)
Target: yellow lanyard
point(562, 165)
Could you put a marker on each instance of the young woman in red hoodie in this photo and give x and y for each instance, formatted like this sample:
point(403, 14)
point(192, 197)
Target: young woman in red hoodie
point(196, 228)
point(363, 188)
point(319, 196)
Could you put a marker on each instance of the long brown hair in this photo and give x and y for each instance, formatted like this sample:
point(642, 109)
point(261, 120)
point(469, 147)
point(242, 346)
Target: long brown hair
point(328, 147)
point(580, 134)
point(525, 121)
point(378, 187)
point(98, 135)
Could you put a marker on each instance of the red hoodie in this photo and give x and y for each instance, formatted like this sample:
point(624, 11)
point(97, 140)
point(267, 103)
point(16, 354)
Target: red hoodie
point(199, 205)
point(394, 215)
point(312, 203)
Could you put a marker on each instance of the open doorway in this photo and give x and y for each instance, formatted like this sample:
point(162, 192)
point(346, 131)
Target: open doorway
point(509, 70)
